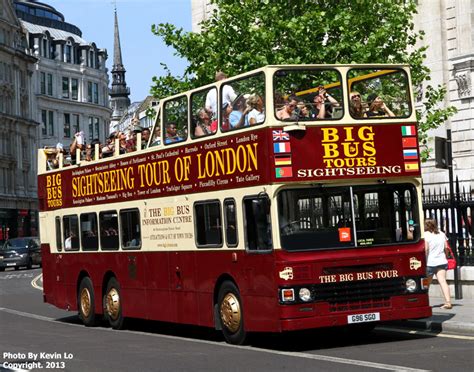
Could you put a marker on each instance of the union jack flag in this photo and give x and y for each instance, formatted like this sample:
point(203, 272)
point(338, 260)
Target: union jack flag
point(279, 135)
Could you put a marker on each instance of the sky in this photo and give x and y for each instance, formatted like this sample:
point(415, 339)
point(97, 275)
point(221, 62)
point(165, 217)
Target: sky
point(142, 51)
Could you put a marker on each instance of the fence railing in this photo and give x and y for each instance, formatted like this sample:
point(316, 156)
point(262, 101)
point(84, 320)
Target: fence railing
point(437, 204)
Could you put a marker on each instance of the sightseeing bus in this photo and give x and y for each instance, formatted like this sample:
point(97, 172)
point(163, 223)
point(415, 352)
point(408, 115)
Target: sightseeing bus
point(282, 199)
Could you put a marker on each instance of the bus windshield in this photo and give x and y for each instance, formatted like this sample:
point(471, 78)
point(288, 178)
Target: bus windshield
point(344, 217)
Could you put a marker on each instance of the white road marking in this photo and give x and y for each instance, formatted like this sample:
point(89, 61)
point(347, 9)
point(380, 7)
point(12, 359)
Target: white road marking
point(424, 333)
point(323, 358)
point(34, 283)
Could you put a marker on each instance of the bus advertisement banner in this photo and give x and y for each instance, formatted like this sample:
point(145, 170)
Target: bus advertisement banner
point(262, 156)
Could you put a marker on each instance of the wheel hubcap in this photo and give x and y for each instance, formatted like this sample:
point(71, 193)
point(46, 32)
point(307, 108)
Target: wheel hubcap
point(112, 303)
point(85, 302)
point(230, 312)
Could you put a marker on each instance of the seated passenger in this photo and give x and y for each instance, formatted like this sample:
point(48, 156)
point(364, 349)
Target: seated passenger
point(323, 104)
point(171, 133)
point(205, 125)
point(288, 111)
point(156, 136)
point(377, 107)
point(257, 113)
point(239, 112)
point(304, 112)
point(355, 105)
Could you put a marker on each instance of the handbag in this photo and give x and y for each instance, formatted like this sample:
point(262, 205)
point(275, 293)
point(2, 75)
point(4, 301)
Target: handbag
point(450, 257)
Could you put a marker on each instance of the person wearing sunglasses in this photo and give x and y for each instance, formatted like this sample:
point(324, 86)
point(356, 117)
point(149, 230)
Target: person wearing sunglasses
point(355, 105)
point(323, 104)
point(288, 111)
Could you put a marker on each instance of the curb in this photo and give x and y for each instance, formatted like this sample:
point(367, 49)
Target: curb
point(431, 325)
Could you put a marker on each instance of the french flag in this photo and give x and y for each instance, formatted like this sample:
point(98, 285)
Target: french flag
point(281, 147)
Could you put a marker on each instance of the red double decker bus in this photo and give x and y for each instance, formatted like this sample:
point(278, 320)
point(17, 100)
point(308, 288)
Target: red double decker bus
point(286, 198)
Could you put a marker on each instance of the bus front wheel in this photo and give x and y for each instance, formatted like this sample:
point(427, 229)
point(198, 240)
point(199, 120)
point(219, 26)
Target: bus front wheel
point(231, 315)
point(113, 304)
point(86, 302)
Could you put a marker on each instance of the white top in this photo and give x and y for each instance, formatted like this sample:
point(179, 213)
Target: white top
point(258, 116)
point(436, 244)
point(228, 95)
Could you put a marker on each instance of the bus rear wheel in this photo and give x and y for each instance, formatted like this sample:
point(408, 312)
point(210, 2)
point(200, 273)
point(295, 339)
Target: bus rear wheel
point(113, 304)
point(231, 315)
point(86, 303)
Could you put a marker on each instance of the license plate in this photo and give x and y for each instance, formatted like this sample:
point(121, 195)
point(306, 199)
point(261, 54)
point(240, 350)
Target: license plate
point(362, 318)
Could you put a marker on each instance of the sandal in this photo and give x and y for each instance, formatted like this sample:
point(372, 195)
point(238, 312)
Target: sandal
point(447, 306)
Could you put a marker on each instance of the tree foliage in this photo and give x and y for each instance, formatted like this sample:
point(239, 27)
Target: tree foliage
point(244, 35)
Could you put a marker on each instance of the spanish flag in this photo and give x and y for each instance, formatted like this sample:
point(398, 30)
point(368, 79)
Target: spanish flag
point(411, 166)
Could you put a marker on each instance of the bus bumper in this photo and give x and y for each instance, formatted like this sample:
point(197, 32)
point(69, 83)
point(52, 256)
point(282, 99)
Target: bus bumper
point(317, 315)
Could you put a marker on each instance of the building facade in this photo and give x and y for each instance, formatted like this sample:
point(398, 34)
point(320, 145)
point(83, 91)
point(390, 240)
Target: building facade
point(449, 33)
point(70, 78)
point(18, 130)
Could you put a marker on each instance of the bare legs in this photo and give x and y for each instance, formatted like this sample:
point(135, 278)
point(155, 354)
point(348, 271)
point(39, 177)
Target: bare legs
point(441, 276)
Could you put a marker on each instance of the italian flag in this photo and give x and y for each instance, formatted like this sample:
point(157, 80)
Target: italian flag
point(408, 130)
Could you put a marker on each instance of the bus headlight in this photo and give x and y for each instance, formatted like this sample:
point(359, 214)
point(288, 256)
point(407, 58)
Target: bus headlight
point(305, 294)
point(288, 295)
point(411, 285)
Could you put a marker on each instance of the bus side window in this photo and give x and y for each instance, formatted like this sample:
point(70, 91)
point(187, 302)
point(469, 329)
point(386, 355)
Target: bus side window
point(207, 224)
point(130, 228)
point(258, 231)
point(71, 233)
point(109, 237)
point(59, 242)
point(230, 216)
point(89, 238)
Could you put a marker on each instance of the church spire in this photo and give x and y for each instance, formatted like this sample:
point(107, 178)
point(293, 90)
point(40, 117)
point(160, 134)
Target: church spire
point(119, 92)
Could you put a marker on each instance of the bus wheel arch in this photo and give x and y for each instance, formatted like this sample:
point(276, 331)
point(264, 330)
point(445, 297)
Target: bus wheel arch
point(230, 313)
point(112, 303)
point(86, 302)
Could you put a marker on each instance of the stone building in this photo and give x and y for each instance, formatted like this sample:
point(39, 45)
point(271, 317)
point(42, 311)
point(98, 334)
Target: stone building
point(70, 79)
point(449, 33)
point(18, 130)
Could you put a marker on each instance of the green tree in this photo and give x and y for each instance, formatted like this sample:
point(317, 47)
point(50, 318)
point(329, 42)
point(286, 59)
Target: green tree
point(243, 35)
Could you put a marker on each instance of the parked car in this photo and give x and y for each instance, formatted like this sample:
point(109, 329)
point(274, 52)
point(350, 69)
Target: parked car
point(17, 252)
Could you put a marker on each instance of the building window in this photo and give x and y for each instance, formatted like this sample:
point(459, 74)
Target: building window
point(42, 83)
point(65, 87)
point(95, 92)
point(44, 120)
point(68, 53)
point(96, 128)
point(67, 125)
point(50, 84)
point(50, 123)
point(75, 123)
point(91, 59)
point(89, 91)
point(91, 128)
point(74, 87)
point(44, 48)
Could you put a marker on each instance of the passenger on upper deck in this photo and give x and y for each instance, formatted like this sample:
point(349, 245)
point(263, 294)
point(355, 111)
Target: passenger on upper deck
point(156, 136)
point(287, 112)
point(108, 149)
point(90, 150)
point(257, 114)
point(205, 125)
point(355, 105)
point(145, 137)
point(304, 111)
point(323, 104)
point(228, 95)
point(239, 112)
point(377, 107)
point(171, 133)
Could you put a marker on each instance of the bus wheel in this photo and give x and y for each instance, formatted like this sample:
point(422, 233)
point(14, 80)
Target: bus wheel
point(231, 314)
point(86, 302)
point(113, 304)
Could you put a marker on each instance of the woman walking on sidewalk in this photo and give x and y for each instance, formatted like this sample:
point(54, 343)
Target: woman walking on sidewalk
point(435, 247)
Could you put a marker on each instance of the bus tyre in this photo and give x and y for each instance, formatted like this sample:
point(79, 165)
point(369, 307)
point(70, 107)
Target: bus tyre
point(86, 302)
point(231, 315)
point(113, 304)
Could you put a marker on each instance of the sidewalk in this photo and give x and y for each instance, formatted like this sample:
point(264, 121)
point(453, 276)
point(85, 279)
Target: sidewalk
point(459, 320)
